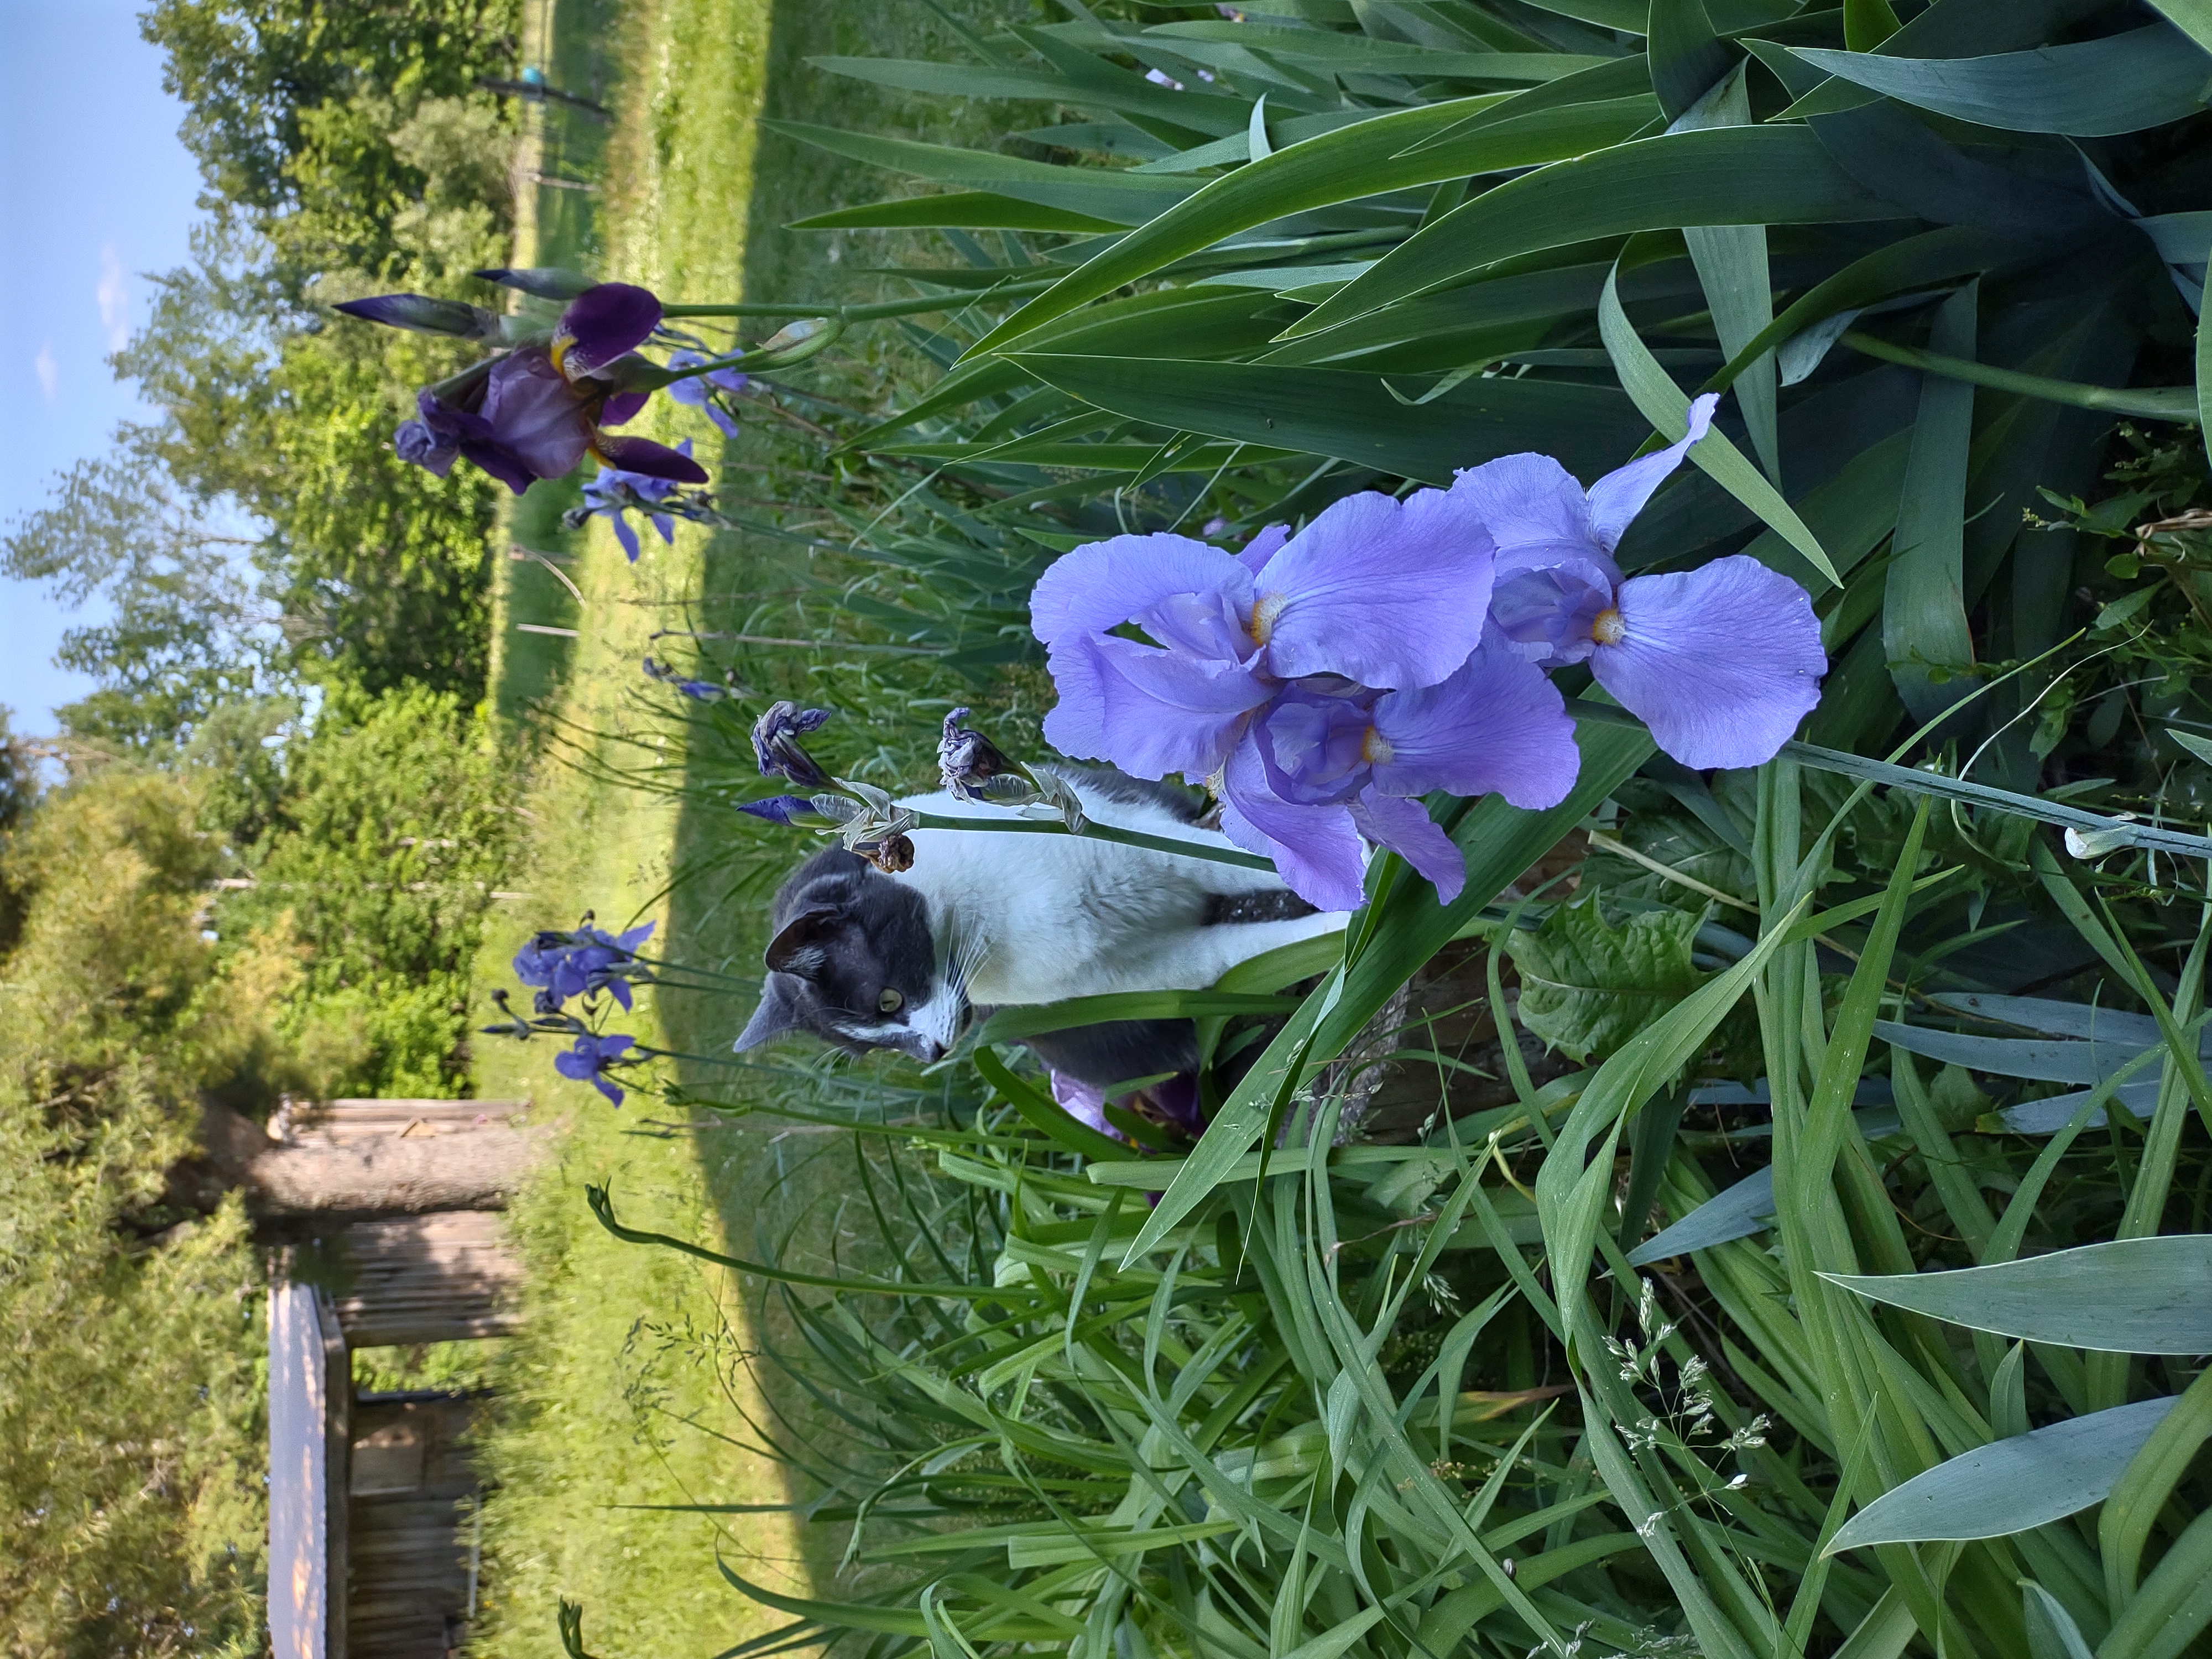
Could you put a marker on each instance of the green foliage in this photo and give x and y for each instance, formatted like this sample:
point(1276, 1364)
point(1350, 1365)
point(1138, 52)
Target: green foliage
point(1587, 986)
point(1045, 1413)
point(291, 105)
point(131, 1435)
point(381, 857)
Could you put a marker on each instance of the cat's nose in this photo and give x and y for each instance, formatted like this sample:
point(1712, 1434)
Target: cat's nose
point(926, 1049)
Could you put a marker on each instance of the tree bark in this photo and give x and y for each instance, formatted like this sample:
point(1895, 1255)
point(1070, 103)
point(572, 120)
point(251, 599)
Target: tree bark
point(478, 1168)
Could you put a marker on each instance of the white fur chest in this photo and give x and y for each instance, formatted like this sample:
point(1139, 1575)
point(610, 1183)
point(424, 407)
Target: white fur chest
point(1039, 918)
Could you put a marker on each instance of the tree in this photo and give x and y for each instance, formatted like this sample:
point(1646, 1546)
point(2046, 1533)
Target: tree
point(130, 1446)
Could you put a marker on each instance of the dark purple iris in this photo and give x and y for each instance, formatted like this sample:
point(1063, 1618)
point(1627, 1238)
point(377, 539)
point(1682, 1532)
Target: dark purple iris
point(573, 964)
point(775, 744)
point(537, 411)
point(589, 1057)
point(785, 810)
point(421, 314)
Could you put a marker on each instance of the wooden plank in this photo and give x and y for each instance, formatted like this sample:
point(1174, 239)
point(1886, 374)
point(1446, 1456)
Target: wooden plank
point(299, 1477)
point(338, 1459)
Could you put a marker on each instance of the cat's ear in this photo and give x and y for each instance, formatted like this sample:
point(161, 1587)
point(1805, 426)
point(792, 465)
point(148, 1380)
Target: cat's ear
point(778, 1013)
point(797, 948)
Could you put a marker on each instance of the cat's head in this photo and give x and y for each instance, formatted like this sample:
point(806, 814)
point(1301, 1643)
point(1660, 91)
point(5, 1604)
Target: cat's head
point(855, 962)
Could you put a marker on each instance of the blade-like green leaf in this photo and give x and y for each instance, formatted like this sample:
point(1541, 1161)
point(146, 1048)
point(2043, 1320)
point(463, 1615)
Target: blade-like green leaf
point(1352, 416)
point(2051, 1632)
point(1742, 1210)
point(1726, 176)
point(1668, 408)
point(961, 209)
point(1118, 197)
point(1009, 1025)
point(2009, 1486)
point(2131, 1296)
point(1343, 166)
point(2092, 89)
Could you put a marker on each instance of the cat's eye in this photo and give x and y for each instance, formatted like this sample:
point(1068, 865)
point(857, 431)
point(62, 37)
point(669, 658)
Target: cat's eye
point(891, 1002)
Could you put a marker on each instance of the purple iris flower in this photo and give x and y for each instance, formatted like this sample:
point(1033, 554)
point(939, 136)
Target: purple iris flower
point(572, 964)
point(616, 491)
point(537, 411)
point(587, 1061)
point(698, 690)
point(698, 391)
point(1354, 595)
point(1315, 679)
point(1721, 662)
point(1324, 767)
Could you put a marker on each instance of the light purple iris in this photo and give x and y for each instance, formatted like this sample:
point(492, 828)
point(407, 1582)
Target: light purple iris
point(537, 411)
point(1721, 662)
point(1315, 680)
point(616, 492)
point(698, 391)
point(1323, 768)
point(589, 1057)
point(1353, 595)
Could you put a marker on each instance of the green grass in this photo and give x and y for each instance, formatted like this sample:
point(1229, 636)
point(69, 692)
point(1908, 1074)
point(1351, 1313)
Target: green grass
point(632, 1364)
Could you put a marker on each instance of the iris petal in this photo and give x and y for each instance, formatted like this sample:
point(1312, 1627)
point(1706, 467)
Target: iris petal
point(535, 415)
point(1388, 593)
point(1315, 848)
point(1103, 584)
point(1148, 711)
point(1405, 828)
point(1721, 662)
point(1529, 504)
point(644, 456)
point(1617, 497)
point(1496, 726)
point(602, 324)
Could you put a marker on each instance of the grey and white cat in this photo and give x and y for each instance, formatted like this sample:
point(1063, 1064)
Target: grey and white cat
point(865, 960)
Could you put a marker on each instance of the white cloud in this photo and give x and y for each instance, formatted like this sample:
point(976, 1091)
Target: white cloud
point(49, 371)
point(114, 295)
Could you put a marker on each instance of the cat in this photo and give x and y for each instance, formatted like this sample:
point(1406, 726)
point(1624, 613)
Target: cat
point(865, 960)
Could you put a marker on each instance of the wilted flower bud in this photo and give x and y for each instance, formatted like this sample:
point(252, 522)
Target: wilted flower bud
point(967, 758)
point(893, 855)
point(775, 744)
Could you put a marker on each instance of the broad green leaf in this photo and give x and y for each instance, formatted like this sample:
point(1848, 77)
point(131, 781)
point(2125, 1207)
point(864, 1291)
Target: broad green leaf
point(2130, 1296)
point(2192, 17)
point(2173, 1605)
point(2009, 1486)
point(1664, 404)
point(2045, 1060)
point(2092, 89)
point(1724, 176)
point(1587, 987)
point(1742, 1210)
point(1352, 416)
point(1359, 161)
point(1366, 54)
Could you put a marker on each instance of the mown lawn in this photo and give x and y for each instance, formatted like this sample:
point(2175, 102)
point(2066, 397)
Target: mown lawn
point(630, 1386)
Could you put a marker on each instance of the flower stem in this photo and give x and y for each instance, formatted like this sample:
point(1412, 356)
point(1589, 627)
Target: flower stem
point(1099, 832)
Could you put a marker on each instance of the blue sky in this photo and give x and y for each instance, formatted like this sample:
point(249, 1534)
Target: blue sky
point(95, 190)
